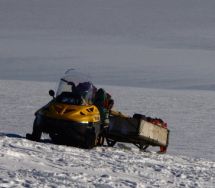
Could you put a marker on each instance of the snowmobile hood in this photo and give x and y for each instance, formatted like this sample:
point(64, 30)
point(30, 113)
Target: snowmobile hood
point(82, 114)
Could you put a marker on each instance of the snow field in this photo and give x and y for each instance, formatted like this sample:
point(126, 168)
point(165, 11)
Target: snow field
point(187, 112)
point(28, 164)
point(25, 163)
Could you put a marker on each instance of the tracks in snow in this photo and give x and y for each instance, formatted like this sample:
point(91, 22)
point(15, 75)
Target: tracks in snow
point(31, 164)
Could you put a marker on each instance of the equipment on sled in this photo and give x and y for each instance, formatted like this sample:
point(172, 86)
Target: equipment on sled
point(140, 130)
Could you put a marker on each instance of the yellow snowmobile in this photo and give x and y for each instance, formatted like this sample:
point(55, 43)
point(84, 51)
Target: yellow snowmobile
point(71, 116)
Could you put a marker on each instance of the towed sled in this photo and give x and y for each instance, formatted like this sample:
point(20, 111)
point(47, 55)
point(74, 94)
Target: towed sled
point(139, 130)
point(79, 114)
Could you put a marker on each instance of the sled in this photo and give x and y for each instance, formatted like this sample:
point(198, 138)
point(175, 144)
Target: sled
point(137, 131)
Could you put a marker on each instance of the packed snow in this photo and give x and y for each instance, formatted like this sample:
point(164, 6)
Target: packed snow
point(154, 57)
point(189, 162)
point(28, 164)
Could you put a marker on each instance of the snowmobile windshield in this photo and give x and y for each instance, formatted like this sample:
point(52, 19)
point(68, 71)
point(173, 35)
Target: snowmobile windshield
point(70, 98)
point(79, 85)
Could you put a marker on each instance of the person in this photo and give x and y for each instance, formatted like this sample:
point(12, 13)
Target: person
point(111, 103)
point(108, 102)
point(104, 104)
point(84, 89)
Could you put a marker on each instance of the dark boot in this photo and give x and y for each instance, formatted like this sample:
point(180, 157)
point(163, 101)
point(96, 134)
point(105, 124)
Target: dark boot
point(35, 136)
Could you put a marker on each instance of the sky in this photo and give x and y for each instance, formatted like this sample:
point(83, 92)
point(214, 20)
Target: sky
point(152, 44)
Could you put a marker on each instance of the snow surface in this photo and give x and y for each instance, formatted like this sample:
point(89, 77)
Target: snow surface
point(164, 45)
point(28, 164)
point(189, 162)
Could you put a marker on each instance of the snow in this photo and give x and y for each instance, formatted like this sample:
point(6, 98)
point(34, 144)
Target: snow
point(189, 162)
point(154, 57)
point(29, 164)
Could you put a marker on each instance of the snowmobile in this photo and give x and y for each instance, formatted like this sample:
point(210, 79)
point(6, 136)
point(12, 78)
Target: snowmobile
point(70, 117)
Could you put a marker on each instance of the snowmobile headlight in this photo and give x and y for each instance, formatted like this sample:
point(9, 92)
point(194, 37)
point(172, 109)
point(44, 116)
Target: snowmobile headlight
point(84, 122)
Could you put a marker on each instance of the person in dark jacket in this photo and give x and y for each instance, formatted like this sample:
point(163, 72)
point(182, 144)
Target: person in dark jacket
point(104, 104)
